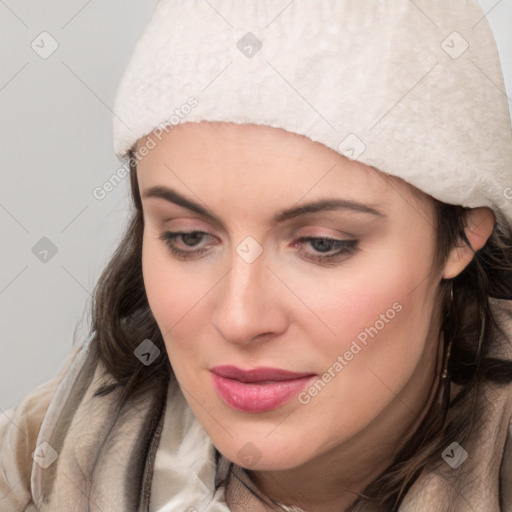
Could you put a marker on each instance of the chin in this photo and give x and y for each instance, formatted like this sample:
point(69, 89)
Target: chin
point(265, 456)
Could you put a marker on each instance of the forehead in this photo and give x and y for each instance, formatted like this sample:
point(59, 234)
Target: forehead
point(247, 149)
point(254, 143)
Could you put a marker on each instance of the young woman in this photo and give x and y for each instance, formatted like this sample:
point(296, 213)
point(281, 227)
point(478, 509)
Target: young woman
point(310, 309)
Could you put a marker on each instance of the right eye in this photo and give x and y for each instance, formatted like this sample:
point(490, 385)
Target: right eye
point(186, 239)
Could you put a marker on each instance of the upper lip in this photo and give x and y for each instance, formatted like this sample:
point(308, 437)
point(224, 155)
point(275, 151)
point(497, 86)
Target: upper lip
point(257, 374)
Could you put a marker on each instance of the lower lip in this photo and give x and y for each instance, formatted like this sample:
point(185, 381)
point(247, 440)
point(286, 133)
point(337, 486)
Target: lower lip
point(254, 397)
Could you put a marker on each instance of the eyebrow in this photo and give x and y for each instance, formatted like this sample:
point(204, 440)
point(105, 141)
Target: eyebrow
point(172, 196)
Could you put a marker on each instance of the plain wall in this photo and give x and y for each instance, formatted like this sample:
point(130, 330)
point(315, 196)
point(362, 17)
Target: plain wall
point(56, 142)
point(57, 146)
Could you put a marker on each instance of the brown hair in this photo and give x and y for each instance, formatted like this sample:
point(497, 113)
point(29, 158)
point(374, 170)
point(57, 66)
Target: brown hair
point(122, 319)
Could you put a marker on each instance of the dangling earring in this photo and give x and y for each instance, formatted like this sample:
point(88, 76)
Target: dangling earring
point(444, 373)
point(443, 387)
point(448, 348)
point(445, 381)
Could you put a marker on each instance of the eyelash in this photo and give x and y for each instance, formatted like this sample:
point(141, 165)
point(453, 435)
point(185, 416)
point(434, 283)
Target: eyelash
point(346, 247)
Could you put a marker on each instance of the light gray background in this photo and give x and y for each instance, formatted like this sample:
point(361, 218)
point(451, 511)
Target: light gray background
point(56, 142)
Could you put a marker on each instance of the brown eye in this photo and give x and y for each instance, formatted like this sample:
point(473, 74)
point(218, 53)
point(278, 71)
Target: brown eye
point(191, 239)
point(188, 239)
point(323, 245)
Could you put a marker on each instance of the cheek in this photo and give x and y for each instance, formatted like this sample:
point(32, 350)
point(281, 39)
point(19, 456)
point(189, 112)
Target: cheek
point(380, 312)
point(178, 299)
point(161, 285)
point(171, 292)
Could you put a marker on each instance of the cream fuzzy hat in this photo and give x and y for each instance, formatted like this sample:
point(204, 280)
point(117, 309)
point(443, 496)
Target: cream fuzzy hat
point(413, 88)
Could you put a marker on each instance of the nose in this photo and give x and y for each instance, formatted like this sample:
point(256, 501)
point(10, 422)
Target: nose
point(249, 303)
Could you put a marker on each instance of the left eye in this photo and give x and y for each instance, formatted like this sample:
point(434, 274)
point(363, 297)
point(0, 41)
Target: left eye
point(322, 245)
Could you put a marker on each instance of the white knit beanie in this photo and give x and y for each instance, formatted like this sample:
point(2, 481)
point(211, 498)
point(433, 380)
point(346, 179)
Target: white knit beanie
point(412, 88)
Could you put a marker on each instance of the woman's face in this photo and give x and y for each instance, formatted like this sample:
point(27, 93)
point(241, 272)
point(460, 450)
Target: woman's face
point(301, 261)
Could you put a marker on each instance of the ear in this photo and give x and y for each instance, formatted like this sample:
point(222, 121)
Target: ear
point(479, 223)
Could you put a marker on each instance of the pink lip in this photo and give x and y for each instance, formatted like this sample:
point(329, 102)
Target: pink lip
point(258, 389)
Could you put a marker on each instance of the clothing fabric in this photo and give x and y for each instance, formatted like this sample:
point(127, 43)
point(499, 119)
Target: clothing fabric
point(63, 449)
point(414, 89)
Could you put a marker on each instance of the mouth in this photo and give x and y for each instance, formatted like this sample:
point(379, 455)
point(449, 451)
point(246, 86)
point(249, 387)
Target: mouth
point(257, 389)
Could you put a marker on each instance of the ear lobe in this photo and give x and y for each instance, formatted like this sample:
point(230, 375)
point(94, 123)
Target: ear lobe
point(479, 223)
